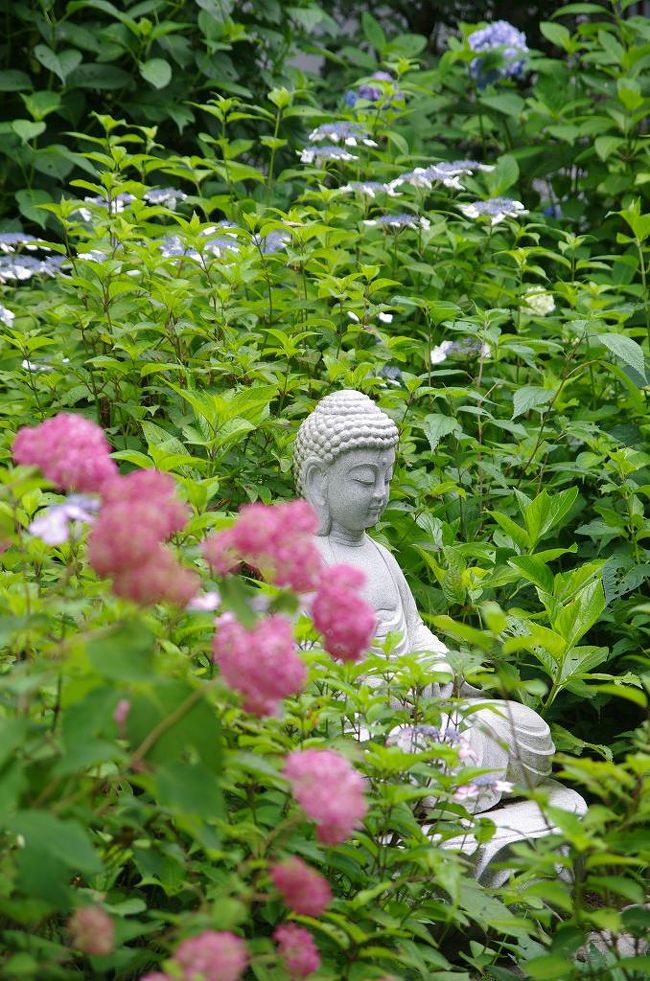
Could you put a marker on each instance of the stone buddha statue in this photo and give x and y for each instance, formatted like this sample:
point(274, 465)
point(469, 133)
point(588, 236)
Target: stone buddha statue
point(343, 461)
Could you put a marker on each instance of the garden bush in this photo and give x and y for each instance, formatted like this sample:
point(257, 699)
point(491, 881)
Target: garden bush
point(465, 239)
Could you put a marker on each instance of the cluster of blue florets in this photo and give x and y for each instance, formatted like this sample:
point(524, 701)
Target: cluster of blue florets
point(502, 39)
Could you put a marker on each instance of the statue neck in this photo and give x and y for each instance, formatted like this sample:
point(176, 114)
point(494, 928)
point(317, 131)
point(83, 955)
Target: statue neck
point(343, 536)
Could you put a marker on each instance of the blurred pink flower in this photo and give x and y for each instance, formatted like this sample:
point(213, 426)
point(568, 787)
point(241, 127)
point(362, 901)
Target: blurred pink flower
point(274, 539)
point(92, 931)
point(345, 620)
point(304, 890)
point(161, 579)
point(261, 663)
point(297, 948)
point(329, 790)
point(212, 956)
point(72, 452)
point(139, 512)
point(121, 713)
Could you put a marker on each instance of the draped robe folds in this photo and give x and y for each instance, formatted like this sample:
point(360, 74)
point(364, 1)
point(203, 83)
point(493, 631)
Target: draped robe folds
point(505, 736)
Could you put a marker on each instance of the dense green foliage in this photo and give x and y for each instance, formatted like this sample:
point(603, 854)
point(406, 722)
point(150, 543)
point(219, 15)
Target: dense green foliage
point(518, 505)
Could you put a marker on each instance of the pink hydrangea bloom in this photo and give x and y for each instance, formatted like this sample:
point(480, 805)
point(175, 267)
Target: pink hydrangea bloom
point(304, 890)
point(345, 620)
point(275, 539)
point(297, 948)
point(121, 713)
point(156, 976)
point(71, 451)
point(161, 579)
point(92, 931)
point(212, 956)
point(125, 535)
point(155, 489)
point(140, 512)
point(261, 663)
point(329, 790)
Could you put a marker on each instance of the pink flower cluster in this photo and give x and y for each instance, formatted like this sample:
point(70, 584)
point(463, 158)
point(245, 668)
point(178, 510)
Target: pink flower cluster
point(304, 890)
point(261, 663)
point(276, 540)
point(329, 790)
point(346, 621)
point(212, 956)
point(92, 931)
point(140, 512)
point(71, 451)
point(297, 948)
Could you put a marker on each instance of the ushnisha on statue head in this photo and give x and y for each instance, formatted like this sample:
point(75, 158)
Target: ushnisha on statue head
point(343, 462)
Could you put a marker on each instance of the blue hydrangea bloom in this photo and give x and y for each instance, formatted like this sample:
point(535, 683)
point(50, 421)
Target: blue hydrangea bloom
point(165, 196)
point(344, 132)
point(10, 241)
point(398, 222)
point(500, 37)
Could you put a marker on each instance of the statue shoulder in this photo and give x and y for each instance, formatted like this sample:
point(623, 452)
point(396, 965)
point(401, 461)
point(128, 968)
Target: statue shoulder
point(390, 560)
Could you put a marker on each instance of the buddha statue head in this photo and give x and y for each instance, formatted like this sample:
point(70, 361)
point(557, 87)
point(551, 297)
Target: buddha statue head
point(343, 462)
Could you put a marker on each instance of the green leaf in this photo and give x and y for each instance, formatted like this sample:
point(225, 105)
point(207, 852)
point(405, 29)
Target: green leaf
point(530, 397)
point(14, 81)
point(65, 840)
point(157, 72)
point(198, 728)
point(534, 570)
point(504, 175)
point(509, 104)
point(578, 616)
point(511, 528)
point(373, 31)
point(27, 130)
point(546, 511)
point(189, 789)
point(61, 63)
point(125, 653)
point(436, 426)
point(557, 34)
point(28, 201)
point(100, 76)
point(622, 691)
point(461, 631)
point(624, 348)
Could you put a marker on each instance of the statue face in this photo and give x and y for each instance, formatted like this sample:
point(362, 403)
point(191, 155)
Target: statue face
point(357, 486)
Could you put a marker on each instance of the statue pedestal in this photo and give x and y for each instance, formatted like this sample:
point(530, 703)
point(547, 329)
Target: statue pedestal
point(520, 821)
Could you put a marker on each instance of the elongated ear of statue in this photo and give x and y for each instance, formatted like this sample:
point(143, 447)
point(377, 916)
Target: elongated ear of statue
point(315, 491)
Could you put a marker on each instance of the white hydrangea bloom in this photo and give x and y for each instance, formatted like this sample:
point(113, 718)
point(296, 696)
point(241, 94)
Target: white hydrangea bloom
point(538, 302)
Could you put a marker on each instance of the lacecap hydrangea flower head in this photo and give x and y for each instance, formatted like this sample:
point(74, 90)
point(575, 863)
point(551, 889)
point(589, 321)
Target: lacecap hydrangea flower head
point(502, 52)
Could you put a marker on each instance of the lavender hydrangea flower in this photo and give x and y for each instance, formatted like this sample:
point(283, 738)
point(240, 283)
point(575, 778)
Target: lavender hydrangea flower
point(22, 267)
point(10, 241)
point(41, 366)
point(205, 602)
point(6, 316)
point(172, 246)
point(495, 208)
point(61, 521)
point(391, 374)
point(325, 154)
point(463, 166)
point(501, 38)
point(399, 222)
point(426, 177)
point(477, 785)
point(369, 188)
point(351, 134)
point(113, 205)
point(95, 255)
point(167, 197)
point(388, 94)
point(468, 347)
point(272, 242)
